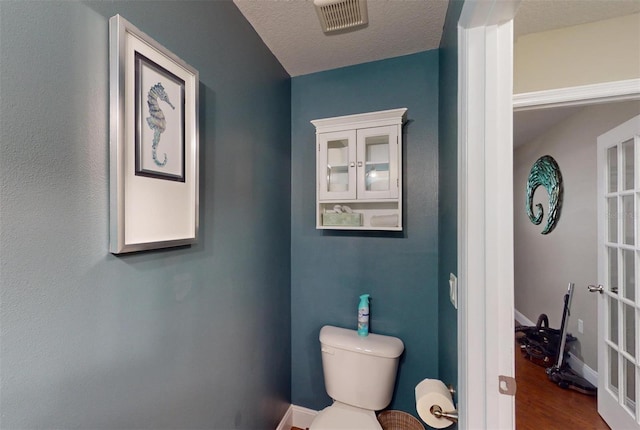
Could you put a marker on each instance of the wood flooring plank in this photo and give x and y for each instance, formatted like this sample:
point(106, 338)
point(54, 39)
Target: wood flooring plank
point(541, 404)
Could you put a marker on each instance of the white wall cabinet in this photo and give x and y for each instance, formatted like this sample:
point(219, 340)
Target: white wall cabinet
point(359, 171)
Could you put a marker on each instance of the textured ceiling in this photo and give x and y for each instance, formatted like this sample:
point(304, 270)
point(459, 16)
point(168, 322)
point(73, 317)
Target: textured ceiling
point(291, 30)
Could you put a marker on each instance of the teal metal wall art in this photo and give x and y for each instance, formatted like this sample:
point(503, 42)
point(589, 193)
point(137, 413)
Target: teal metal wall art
point(545, 172)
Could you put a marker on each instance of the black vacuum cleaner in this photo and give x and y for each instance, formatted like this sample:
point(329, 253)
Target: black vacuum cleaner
point(539, 343)
point(561, 373)
point(543, 346)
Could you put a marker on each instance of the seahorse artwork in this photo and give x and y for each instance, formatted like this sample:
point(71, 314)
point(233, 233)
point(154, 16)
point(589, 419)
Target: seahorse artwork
point(156, 121)
point(545, 172)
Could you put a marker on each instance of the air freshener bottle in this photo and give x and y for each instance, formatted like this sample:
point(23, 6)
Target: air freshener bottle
point(363, 315)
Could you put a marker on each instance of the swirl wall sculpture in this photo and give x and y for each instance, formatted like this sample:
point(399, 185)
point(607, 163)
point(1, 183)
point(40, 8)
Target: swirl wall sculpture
point(545, 172)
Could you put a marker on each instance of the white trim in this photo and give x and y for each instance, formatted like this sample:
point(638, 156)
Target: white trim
point(303, 417)
point(287, 420)
point(297, 416)
point(485, 213)
point(485, 13)
point(361, 120)
point(583, 370)
point(584, 94)
point(470, 372)
point(522, 319)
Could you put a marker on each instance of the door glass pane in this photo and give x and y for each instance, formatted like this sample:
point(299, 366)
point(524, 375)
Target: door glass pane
point(377, 163)
point(629, 273)
point(627, 153)
point(612, 219)
point(613, 370)
point(613, 320)
point(338, 165)
point(613, 269)
point(630, 386)
point(629, 329)
point(612, 163)
point(628, 219)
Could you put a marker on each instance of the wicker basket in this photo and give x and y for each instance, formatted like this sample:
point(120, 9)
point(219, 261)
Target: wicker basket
point(398, 420)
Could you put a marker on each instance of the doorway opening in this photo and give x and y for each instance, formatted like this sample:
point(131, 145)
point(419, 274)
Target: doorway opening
point(545, 264)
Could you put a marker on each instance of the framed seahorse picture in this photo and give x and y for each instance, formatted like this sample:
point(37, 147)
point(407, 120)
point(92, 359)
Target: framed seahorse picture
point(159, 121)
point(153, 177)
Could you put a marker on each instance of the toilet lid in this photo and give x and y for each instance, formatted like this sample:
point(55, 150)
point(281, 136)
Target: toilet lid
point(340, 416)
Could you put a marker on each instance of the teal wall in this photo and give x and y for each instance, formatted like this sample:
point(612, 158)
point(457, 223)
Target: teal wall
point(197, 337)
point(448, 192)
point(330, 269)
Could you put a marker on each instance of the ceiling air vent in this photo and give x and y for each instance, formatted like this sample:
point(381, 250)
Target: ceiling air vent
point(336, 15)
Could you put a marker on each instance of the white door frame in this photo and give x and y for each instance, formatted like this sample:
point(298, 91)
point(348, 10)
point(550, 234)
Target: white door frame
point(485, 203)
point(605, 92)
point(485, 213)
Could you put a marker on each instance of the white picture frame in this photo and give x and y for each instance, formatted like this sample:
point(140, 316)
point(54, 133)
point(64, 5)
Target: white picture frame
point(153, 143)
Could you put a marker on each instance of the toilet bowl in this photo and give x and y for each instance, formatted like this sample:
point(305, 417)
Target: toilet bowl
point(359, 375)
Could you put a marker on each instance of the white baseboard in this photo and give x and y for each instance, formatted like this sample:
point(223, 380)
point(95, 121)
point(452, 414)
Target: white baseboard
point(583, 370)
point(522, 320)
point(297, 416)
point(576, 364)
point(287, 420)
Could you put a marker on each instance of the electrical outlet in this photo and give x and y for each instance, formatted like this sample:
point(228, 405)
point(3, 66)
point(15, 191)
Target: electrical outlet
point(580, 326)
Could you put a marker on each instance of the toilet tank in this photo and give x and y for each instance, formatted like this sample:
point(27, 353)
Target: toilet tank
point(359, 370)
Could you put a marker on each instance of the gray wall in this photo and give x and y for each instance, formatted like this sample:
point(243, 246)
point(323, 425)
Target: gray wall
point(545, 264)
point(197, 337)
point(399, 269)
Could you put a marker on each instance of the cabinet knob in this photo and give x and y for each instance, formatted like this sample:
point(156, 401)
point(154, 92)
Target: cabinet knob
point(359, 163)
point(352, 164)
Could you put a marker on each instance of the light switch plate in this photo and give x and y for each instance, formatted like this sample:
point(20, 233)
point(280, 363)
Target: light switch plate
point(453, 290)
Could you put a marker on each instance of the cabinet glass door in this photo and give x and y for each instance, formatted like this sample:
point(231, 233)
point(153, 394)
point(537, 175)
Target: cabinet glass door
point(378, 163)
point(337, 165)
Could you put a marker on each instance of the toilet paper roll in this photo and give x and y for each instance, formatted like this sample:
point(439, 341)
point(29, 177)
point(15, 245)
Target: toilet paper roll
point(432, 392)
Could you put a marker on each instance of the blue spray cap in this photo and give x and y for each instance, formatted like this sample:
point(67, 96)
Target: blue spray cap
point(364, 300)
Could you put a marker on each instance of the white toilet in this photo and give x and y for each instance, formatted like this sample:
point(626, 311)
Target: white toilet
point(359, 375)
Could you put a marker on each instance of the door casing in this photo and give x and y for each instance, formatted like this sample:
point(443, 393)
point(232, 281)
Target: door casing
point(485, 203)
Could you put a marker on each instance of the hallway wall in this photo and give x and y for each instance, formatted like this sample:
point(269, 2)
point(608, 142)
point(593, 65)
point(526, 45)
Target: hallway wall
point(592, 53)
point(545, 264)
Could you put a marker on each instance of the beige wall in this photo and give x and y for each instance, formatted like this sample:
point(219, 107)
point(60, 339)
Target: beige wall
point(597, 52)
point(545, 264)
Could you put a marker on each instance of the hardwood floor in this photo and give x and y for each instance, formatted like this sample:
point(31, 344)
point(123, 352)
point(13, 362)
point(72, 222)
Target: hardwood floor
point(541, 404)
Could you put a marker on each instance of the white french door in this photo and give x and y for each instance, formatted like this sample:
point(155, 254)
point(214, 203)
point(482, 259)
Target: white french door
point(618, 269)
